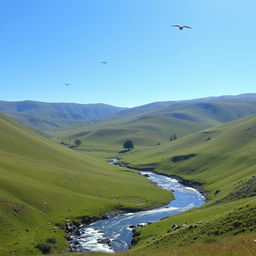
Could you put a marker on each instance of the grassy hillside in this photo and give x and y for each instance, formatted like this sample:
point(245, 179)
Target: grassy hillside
point(143, 131)
point(212, 112)
point(43, 116)
point(209, 112)
point(223, 160)
point(43, 184)
point(154, 124)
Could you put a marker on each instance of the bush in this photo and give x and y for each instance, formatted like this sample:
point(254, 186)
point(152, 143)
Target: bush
point(78, 142)
point(45, 248)
point(51, 240)
point(217, 192)
point(173, 137)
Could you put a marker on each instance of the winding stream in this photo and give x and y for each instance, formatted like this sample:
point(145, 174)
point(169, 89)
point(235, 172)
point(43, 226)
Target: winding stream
point(115, 234)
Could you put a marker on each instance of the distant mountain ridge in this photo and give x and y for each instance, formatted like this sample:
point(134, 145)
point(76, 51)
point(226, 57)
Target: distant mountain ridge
point(209, 110)
point(42, 115)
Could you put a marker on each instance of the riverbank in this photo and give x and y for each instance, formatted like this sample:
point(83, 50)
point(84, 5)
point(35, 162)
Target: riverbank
point(190, 183)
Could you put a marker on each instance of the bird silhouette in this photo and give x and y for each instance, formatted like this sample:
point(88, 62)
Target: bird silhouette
point(103, 62)
point(181, 27)
point(67, 84)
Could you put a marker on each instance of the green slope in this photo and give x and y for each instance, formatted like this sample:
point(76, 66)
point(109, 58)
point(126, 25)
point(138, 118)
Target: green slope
point(212, 112)
point(205, 111)
point(154, 124)
point(42, 184)
point(223, 160)
point(143, 131)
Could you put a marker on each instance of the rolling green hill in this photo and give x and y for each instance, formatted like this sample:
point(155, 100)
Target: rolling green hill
point(154, 124)
point(211, 112)
point(144, 131)
point(42, 184)
point(168, 107)
point(222, 160)
point(44, 116)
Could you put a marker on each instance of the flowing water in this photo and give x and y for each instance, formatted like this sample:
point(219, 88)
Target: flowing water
point(115, 234)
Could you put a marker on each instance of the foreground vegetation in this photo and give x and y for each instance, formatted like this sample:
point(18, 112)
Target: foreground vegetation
point(240, 245)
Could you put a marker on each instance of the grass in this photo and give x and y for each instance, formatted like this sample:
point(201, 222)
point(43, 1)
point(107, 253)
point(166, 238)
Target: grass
point(146, 131)
point(240, 245)
point(43, 184)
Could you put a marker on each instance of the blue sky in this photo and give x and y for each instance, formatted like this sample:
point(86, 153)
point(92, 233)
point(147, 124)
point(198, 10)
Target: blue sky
point(45, 43)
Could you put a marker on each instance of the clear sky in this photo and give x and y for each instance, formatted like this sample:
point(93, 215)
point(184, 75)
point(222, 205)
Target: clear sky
point(45, 43)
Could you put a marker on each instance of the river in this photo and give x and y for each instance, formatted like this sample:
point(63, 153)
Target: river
point(115, 234)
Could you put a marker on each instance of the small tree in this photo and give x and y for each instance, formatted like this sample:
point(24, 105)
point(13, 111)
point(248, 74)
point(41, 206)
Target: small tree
point(128, 144)
point(78, 142)
point(173, 137)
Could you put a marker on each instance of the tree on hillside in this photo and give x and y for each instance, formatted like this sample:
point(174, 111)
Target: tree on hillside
point(78, 142)
point(128, 144)
point(173, 137)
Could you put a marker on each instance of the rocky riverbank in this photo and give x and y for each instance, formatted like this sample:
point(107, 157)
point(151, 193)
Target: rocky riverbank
point(73, 228)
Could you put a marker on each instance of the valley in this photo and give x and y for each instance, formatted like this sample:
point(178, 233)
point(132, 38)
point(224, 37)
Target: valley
point(127, 128)
point(47, 180)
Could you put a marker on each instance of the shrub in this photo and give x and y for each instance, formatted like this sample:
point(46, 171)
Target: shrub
point(51, 240)
point(217, 192)
point(78, 142)
point(45, 248)
point(173, 137)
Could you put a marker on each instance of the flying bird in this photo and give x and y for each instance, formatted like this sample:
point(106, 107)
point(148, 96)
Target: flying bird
point(103, 62)
point(67, 84)
point(181, 27)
